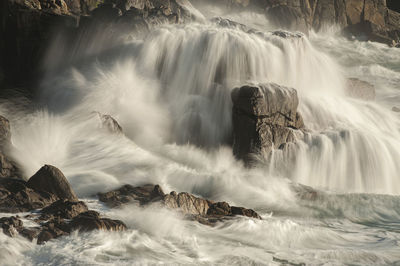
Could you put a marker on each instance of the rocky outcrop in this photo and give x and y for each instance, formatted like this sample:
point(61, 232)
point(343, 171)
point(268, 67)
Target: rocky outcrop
point(51, 180)
point(264, 117)
point(360, 89)
point(29, 28)
point(60, 214)
point(194, 208)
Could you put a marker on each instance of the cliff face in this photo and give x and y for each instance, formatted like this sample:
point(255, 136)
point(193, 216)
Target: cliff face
point(27, 27)
point(375, 20)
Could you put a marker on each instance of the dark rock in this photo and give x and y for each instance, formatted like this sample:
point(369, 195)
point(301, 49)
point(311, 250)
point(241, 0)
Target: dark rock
point(11, 225)
point(64, 209)
point(16, 196)
point(50, 179)
point(244, 212)
point(91, 220)
point(219, 208)
point(128, 193)
point(5, 132)
point(264, 117)
point(29, 234)
point(360, 89)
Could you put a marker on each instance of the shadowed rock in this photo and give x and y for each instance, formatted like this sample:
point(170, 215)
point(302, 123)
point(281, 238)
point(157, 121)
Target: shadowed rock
point(64, 209)
point(8, 168)
point(16, 196)
point(264, 117)
point(50, 179)
point(91, 220)
point(11, 225)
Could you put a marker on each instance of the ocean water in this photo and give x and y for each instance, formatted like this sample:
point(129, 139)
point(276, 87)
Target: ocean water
point(170, 91)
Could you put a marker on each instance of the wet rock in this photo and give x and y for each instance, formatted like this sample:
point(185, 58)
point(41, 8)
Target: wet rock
point(11, 225)
point(360, 89)
point(128, 193)
point(5, 132)
point(264, 117)
point(51, 180)
point(186, 203)
point(194, 208)
point(64, 209)
point(109, 123)
point(16, 196)
point(52, 229)
point(8, 168)
point(90, 220)
point(29, 234)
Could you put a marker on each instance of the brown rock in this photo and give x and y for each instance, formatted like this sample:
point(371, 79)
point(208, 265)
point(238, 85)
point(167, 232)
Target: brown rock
point(11, 225)
point(91, 220)
point(51, 180)
point(64, 209)
point(16, 196)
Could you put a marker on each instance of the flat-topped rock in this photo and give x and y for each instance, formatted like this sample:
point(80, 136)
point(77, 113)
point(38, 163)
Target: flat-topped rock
point(264, 117)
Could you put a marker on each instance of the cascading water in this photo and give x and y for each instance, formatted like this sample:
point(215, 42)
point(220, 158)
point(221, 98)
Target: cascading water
point(171, 93)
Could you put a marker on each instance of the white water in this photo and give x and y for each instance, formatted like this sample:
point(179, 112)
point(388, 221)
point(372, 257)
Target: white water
point(173, 88)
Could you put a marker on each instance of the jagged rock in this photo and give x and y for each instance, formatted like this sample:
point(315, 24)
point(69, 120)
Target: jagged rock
point(128, 193)
point(264, 117)
point(396, 109)
point(11, 225)
point(64, 209)
point(109, 123)
point(186, 203)
point(53, 229)
point(51, 180)
point(16, 196)
point(194, 208)
point(91, 220)
point(360, 89)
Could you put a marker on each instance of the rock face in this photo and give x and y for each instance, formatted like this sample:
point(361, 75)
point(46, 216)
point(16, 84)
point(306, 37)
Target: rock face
point(264, 117)
point(16, 196)
point(360, 89)
point(194, 208)
point(8, 168)
point(52, 180)
point(375, 20)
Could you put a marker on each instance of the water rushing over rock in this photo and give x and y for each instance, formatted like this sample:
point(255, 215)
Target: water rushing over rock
point(326, 186)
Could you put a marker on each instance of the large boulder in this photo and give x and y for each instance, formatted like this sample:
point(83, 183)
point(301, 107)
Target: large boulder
point(264, 117)
point(194, 208)
point(51, 180)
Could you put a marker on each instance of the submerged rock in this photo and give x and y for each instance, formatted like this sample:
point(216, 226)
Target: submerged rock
point(396, 109)
point(264, 117)
point(51, 180)
point(11, 225)
point(360, 89)
point(194, 208)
